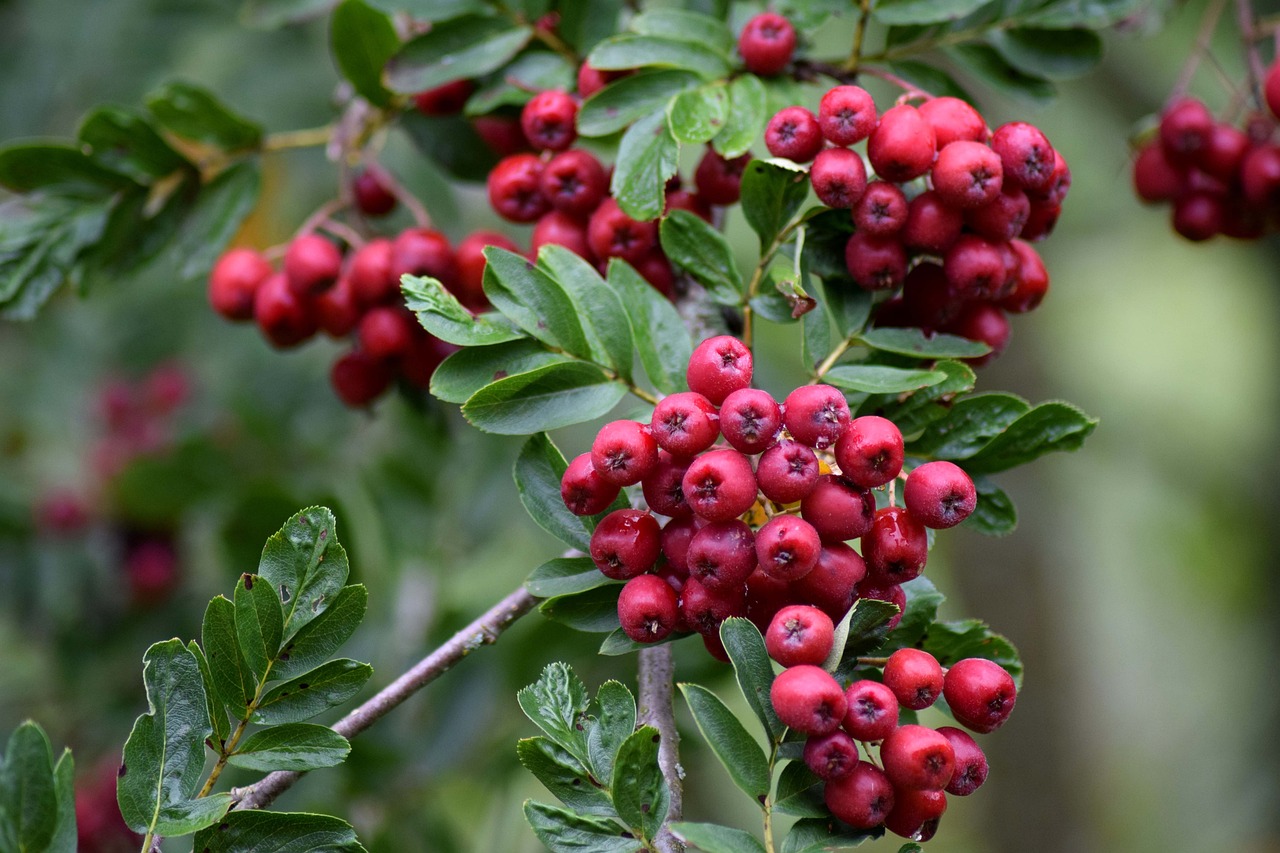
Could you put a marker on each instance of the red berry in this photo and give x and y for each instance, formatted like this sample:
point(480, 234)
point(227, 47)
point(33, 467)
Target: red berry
point(515, 188)
point(372, 196)
point(387, 332)
point(953, 120)
point(807, 699)
point(285, 318)
point(1185, 128)
point(967, 174)
point(677, 536)
point(722, 555)
point(863, 799)
point(831, 756)
point(902, 146)
point(1032, 280)
point(975, 267)
point(882, 210)
point(846, 115)
point(915, 677)
point(425, 354)
point(1199, 216)
point(892, 594)
point(916, 813)
point(152, 569)
point(816, 415)
point(981, 321)
point(626, 543)
point(793, 133)
point(624, 452)
point(421, 251)
point(1223, 152)
point(787, 547)
point(1154, 177)
point(548, 120)
point(592, 80)
point(1059, 182)
point(234, 282)
point(583, 490)
point(1027, 157)
point(556, 228)
point(718, 367)
point(787, 472)
point(656, 269)
point(896, 547)
point(875, 263)
point(679, 199)
point(445, 100)
point(574, 182)
point(1260, 175)
point(336, 309)
point(971, 764)
point(839, 177)
point(1271, 88)
point(931, 226)
point(917, 757)
point(471, 264)
point(927, 297)
point(980, 693)
point(1041, 220)
point(940, 494)
point(359, 378)
point(502, 134)
point(311, 264)
point(613, 234)
point(750, 420)
point(800, 634)
point(370, 275)
point(719, 181)
point(870, 451)
point(704, 608)
point(720, 485)
point(765, 597)
point(663, 489)
point(838, 509)
point(647, 608)
point(766, 43)
point(684, 423)
point(872, 711)
point(1002, 218)
point(829, 585)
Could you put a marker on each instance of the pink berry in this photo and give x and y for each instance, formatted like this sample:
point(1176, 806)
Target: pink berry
point(624, 452)
point(870, 451)
point(718, 367)
point(800, 634)
point(816, 415)
point(940, 494)
point(767, 43)
point(847, 115)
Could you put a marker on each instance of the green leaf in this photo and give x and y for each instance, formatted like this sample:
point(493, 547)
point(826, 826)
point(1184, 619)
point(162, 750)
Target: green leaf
point(624, 101)
point(274, 14)
point(55, 167)
point(124, 141)
point(696, 115)
point(1093, 14)
point(451, 142)
point(923, 601)
point(736, 749)
point(564, 831)
point(435, 10)
point(618, 643)
point(661, 338)
point(467, 46)
point(796, 795)
point(362, 40)
point(1056, 54)
point(700, 250)
point(896, 12)
point(989, 67)
point(217, 708)
point(259, 624)
point(878, 379)
point(914, 342)
point(557, 704)
point(164, 756)
point(312, 693)
point(817, 341)
point(305, 566)
point(911, 848)
point(1048, 427)
point(647, 157)
point(195, 113)
point(584, 25)
point(626, 51)
point(28, 790)
point(771, 195)
point(815, 835)
point(754, 671)
point(950, 642)
point(714, 838)
point(615, 722)
point(868, 625)
point(530, 73)
point(849, 308)
point(594, 611)
point(924, 406)
point(600, 310)
point(231, 676)
point(538, 471)
point(680, 25)
point(563, 776)
point(278, 832)
point(640, 792)
point(534, 301)
point(316, 642)
point(746, 117)
point(470, 369)
point(565, 576)
point(64, 833)
point(219, 210)
point(995, 514)
point(545, 398)
point(970, 425)
point(291, 746)
point(441, 314)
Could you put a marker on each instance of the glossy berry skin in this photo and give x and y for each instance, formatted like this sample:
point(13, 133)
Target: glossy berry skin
point(980, 321)
point(560, 229)
point(839, 177)
point(664, 489)
point(940, 494)
point(234, 282)
point(1184, 129)
point(722, 555)
point(1002, 218)
point(574, 182)
point(750, 420)
point(831, 756)
point(648, 609)
point(767, 43)
point(872, 711)
point(548, 120)
point(902, 147)
point(583, 490)
point(967, 174)
point(471, 264)
point(838, 509)
point(870, 451)
point(863, 799)
point(718, 367)
point(624, 452)
point(685, 423)
point(916, 813)
point(311, 264)
point(369, 273)
point(445, 100)
point(719, 181)
point(285, 318)
point(816, 415)
point(875, 263)
point(358, 378)
point(793, 133)
point(800, 634)
point(932, 226)
point(980, 693)
point(896, 547)
point(882, 210)
point(1026, 156)
point(386, 332)
point(975, 267)
point(1155, 179)
point(846, 115)
point(953, 120)
point(917, 757)
point(830, 584)
point(704, 609)
point(422, 251)
point(915, 677)
point(1032, 280)
point(371, 195)
point(787, 547)
point(807, 699)
point(971, 763)
point(613, 234)
point(626, 543)
point(514, 187)
point(787, 472)
point(720, 485)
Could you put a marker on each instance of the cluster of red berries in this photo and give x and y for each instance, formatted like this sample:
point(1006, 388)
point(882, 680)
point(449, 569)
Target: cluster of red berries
point(746, 539)
point(1220, 179)
point(919, 766)
point(948, 214)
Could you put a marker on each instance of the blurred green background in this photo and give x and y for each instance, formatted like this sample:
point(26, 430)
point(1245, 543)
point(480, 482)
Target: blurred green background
point(1140, 585)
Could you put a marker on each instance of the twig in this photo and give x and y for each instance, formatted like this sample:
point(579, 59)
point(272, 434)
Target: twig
point(309, 138)
point(1208, 24)
point(485, 630)
point(657, 680)
point(322, 213)
point(1257, 73)
point(402, 194)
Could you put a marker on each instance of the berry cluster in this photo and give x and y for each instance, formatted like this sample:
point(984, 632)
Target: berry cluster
point(746, 539)
point(946, 217)
point(1220, 179)
point(919, 766)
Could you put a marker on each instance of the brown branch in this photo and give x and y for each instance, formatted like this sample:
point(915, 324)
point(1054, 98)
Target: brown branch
point(485, 630)
point(657, 691)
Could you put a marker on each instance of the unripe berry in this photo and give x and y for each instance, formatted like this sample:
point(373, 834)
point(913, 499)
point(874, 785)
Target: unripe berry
point(766, 43)
point(750, 420)
point(940, 494)
point(285, 318)
point(718, 367)
point(902, 146)
point(647, 608)
point(846, 115)
point(663, 487)
point(626, 543)
point(583, 490)
point(863, 799)
point(838, 509)
point(624, 452)
point(980, 693)
point(800, 634)
point(548, 120)
point(967, 174)
point(515, 188)
point(722, 555)
point(831, 756)
point(830, 584)
point(787, 547)
point(371, 195)
point(311, 264)
point(870, 451)
point(807, 699)
point(613, 234)
point(787, 472)
point(720, 485)
point(971, 764)
point(953, 120)
point(1027, 157)
point(872, 711)
point(574, 182)
point(234, 282)
point(684, 424)
point(793, 133)
point(882, 210)
point(915, 677)
point(839, 177)
point(896, 547)
point(816, 415)
point(917, 757)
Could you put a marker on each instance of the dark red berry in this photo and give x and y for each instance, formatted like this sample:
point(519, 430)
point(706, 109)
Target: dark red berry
point(583, 490)
point(1026, 155)
point(928, 297)
point(501, 133)
point(839, 177)
point(557, 228)
point(1155, 179)
point(1185, 128)
point(663, 489)
point(722, 555)
point(975, 267)
point(1040, 222)
point(718, 367)
point(337, 311)
point(971, 763)
point(720, 485)
point(967, 174)
point(980, 693)
point(863, 799)
point(234, 282)
point(422, 251)
point(685, 423)
point(793, 133)
point(800, 634)
point(647, 608)
point(1032, 280)
point(750, 420)
point(838, 509)
point(916, 813)
point(311, 264)
point(932, 226)
point(359, 378)
point(370, 275)
point(870, 451)
point(875, 263)
point(515, 191)
point(677, 535)
point(872, 711)
point(574, 182)
point(807, 699)
point(882, 210)
point(896, 547)
point(893, 594)
point(831, 756)
point(624, 452)
point(548, 120)
point(704, 609)
point(766, 43)
point(915, 677)
point(1224, 151)
point(372, 196)
point(1198, 216)
point(1002, 218)
point(902, 146)
point(765, 597)
point(1271, 88)
point(386, 331)
point(613, 234)
point(787, 547)
point(830, 584)
point(285, 318)
point(445, 100)
point(626, 543)
point(917, 757)
point(940, 494)
point(787, 472)
point(471, 264)
point(719, 181)
point(981, 321)
point(846, 115)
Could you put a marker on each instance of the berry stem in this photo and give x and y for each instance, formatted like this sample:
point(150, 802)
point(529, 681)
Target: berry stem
point(1208, 23)
point(1244, 19)
point(830, 361)
point(340, 229)
point(859, 34)
point(402, 194)
point(657, 687)
point(485, 630)
point(321, 213)
point(287, 139)
point(909, 89)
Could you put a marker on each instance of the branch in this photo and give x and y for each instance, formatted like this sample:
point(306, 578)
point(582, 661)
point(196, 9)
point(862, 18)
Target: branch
point(485, 630)
point(657, 690)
